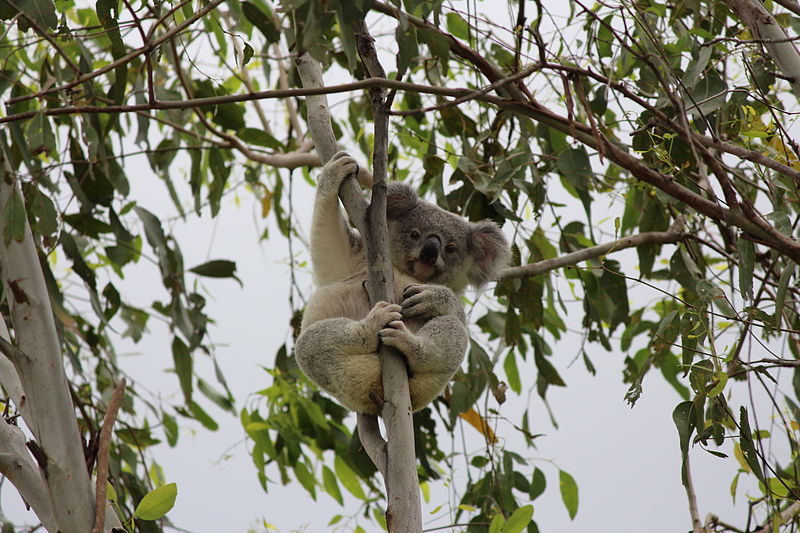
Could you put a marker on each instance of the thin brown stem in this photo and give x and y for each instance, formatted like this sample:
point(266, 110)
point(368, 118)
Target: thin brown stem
point(102, 456)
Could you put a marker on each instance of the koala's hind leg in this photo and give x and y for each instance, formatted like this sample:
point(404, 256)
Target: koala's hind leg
point(339, 355)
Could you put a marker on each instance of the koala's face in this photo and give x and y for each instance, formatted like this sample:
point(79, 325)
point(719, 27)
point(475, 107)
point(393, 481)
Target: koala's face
point(436, 246)
point(431, 245)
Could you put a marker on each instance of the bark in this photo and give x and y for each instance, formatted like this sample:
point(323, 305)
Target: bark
point(37, 360)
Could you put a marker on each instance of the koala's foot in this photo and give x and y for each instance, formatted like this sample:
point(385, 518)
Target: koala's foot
point(334, 172)
point(381, 315)
point(397, 335)
point(428, 301)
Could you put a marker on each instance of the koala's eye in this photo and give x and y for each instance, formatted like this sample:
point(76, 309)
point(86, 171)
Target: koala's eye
point(450, 248)
point(414, 234)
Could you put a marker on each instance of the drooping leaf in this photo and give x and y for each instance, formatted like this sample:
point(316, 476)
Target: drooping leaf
point(748, 446)
point(569, 493)
point(747, 257)
point(13, 219)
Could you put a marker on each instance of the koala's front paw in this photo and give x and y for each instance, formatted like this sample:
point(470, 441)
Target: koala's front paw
point(428, 301)
point(334, 172)
point(397, 335)
point(381, 315)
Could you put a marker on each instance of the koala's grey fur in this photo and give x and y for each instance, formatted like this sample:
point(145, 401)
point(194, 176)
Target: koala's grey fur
point(435, 255)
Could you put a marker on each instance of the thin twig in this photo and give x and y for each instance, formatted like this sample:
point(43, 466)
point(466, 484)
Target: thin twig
point(102, 456)
point(151, 45)
point(260, 95)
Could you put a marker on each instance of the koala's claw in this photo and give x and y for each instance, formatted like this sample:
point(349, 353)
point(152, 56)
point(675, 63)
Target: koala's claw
point(427, 301)
point(384, 314)
point(335, 171)
point(397, 335)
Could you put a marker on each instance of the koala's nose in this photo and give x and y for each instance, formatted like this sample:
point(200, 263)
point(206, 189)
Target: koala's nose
point(430, 250)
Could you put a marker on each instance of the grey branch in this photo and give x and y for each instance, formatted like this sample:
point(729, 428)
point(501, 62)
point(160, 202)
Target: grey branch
point(370, 435)
point(319, 126)
point(16, 465)
point(8, 374)
point(674, 234)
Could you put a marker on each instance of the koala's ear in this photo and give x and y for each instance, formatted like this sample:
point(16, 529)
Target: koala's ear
point(400, 198)
point(489, 250)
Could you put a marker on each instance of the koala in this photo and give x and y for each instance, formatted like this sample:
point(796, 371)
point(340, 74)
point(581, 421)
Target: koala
point(435, 254)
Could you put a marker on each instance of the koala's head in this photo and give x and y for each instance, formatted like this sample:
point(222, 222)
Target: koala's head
point(436, 246)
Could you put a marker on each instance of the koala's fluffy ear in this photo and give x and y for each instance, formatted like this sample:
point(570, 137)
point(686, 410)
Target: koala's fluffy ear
point(489, 249)
point(400, 198)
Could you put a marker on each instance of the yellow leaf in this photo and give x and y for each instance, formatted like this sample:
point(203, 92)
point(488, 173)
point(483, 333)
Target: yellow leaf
point(473, 418)
point(266, 204)
point(737, 452)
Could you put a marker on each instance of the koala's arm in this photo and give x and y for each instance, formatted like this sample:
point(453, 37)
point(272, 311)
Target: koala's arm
point(336, 250)
point(438, 346)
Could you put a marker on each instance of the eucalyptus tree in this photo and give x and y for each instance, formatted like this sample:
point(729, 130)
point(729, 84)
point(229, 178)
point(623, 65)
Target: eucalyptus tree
point(640, 154)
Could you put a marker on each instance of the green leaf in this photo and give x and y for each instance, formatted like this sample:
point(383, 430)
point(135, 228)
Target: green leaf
point(223, 402)
point(13, 219)
point(157, 502)
point(152, 228)
point(247, 54)
point(263, 21)
point(42, 12)
point(204, 418)
point(331, 485)
point(259, 137)
point(183, 367)
point(218, 268)
point(681, 416)
point(520, 518)
point(722, 380)
point(783, 286)
point(512, 373)
point(40, 135)
point(457, 26)
point(538, 484)
point(497, 524)
point(305, 478)
point(748, 447)
point(747, 257)
point(574, 164)
point(170, 429)
point(569, 493)
point(547, 370)
point(348, 478)
point(407, 48)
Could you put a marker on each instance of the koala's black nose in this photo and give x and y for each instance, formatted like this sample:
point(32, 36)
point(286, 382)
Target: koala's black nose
point(430, 250)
